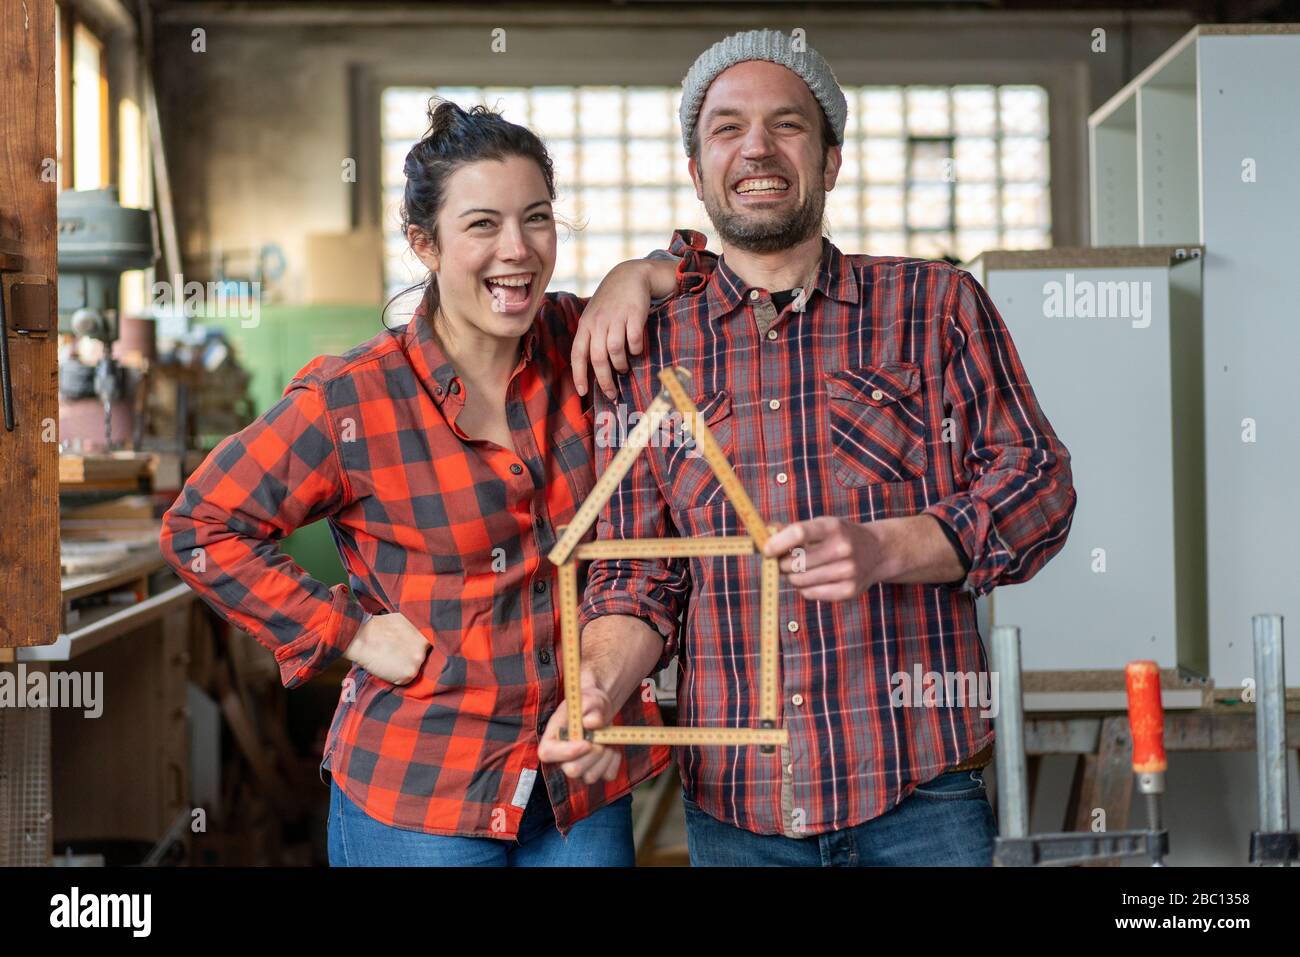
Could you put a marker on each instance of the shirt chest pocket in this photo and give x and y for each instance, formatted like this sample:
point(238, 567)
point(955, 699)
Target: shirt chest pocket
point(691, 481)
point(877, 420)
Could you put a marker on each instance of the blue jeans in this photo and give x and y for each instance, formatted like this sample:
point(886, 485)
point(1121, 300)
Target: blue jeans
point(946, 822)
point(604, 839)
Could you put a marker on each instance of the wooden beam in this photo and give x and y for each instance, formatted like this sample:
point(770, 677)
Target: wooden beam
point(29, 547)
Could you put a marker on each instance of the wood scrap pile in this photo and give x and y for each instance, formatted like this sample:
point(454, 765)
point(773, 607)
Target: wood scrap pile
point(271, 797)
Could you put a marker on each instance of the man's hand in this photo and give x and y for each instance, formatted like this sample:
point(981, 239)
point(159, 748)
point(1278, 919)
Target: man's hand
point(613, 324)
point(832, 559)
point(829, 559)
point(582, 759)
point(389, 647)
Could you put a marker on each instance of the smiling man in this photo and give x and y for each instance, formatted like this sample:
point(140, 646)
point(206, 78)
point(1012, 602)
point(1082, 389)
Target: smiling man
point(875, 408)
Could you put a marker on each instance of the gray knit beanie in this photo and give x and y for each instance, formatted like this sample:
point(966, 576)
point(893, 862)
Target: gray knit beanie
point(774, 47)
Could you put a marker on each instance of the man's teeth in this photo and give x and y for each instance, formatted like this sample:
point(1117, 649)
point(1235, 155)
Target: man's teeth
point(762, 186)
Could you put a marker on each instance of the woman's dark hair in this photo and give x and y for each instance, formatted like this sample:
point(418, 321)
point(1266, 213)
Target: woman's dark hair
point(455, 138)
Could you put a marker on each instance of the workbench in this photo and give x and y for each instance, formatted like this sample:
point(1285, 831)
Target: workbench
point(123, 775)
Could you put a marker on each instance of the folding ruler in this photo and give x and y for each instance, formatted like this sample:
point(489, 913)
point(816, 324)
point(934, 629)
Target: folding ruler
point(569, 550)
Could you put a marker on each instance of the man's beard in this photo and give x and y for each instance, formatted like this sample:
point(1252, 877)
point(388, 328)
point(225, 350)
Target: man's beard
point(766, 233)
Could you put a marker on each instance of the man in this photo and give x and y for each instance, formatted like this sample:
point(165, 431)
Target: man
point(876, 410)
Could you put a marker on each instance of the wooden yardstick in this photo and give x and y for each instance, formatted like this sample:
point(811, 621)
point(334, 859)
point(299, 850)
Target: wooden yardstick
point(569, 550)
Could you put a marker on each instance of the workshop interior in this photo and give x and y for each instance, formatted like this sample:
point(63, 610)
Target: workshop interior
point(197, 198)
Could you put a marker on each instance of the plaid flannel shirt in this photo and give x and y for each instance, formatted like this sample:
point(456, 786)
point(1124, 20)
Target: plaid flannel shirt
point(448, 531)
point(895, 391)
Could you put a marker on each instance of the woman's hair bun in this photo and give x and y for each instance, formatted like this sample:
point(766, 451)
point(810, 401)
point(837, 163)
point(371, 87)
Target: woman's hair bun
point(444, 115)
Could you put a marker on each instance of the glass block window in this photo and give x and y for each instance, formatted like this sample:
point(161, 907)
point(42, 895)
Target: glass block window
point(928, 171)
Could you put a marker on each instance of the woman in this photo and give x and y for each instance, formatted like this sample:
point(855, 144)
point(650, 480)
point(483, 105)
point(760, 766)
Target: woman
point(444, 454)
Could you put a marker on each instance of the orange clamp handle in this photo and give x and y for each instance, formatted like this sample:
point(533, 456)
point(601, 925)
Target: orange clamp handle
point(1146, 716)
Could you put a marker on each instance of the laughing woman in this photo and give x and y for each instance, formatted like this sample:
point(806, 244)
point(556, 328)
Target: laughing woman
point(444, 454)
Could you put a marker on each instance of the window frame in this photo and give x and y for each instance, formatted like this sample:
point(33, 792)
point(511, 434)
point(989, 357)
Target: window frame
point(1067, 98)
point(70, 22)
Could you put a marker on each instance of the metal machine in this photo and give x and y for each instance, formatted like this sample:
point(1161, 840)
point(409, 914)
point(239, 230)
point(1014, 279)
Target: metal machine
point(99, 239)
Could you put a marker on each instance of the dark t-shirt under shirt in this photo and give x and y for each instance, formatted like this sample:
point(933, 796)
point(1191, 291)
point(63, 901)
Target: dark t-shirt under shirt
point(784, 298)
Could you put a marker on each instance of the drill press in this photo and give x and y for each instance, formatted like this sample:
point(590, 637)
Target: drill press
point(99, 239)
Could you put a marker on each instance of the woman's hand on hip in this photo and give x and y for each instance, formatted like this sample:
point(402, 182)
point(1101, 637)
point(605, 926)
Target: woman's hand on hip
point(389, 647)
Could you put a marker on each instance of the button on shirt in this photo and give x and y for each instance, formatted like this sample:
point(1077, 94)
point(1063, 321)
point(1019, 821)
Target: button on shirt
point(451, 532)
point(900, 393)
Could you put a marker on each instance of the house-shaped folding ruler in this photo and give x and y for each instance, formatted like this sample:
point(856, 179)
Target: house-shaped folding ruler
point(569, 550)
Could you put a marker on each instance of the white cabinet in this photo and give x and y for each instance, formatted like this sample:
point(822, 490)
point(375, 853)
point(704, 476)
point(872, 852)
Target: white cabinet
point(1110, 340)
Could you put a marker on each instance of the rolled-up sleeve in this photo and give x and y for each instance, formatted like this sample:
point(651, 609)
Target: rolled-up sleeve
point(221, 534)
point(654, 590)
point(1016, 498)
point(695, 263)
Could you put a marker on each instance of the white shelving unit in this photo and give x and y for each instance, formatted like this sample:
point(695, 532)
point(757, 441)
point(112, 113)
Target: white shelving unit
point(1201, 148)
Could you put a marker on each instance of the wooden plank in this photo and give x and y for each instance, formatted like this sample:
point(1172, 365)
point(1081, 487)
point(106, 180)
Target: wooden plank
point(1183, 732)
point(1112, 782)
point(29, 548)
point(1077, 818)
point(108, 772)
point(134, 758)
point(117, 468)
point(173, 688)
point(1070, 692)
point(67, 23)
point(1086, 257)
point(167, 231)
point(89, 558)
point(1033, 769)
point(138, 566)
point(1070, 702)
point(1111, 679)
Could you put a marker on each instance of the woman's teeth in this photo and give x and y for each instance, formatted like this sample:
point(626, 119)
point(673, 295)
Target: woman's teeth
point(509, 290)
